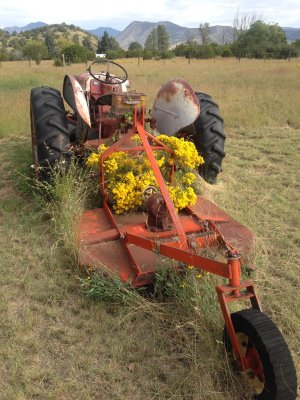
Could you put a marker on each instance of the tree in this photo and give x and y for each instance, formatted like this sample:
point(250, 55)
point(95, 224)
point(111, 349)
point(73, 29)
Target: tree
point(204, 33)
point(87, 43)
point(77, 54)
point(261, 41)
point(50, 43)
point(157, 41)
point(162, 39)
point(107, 43)
point(103, 43)
point(242, 23)
point(151, 41)
point(35, 50)
point(3, 54)
point(135, 46)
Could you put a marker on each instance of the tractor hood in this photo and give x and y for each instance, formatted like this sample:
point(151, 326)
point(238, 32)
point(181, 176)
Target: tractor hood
point(176, 106)
point(74, 96)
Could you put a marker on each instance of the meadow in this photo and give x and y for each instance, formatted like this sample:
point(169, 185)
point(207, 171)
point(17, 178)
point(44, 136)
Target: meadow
point(56, 342)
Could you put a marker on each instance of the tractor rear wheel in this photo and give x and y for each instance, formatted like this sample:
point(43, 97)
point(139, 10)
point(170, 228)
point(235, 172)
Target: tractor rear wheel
point(49, 130)
point(209, 137)
point(271, 373)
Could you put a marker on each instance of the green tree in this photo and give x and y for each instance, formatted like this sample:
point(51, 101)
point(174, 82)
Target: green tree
point(204, 33)
point(135, 49)
point(87, 43)
point(77, 54)
point(50, 43)
point(151, 41)
point(107, 43)
point(75, 39)
point(162, 39)
point(157, 41)
point(261, 41)
point(3, 54)
point(135, 46)
point(35, 50)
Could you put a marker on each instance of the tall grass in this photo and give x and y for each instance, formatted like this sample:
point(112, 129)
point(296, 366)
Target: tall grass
point(56, 342)
point(251, 94)
point(67, 193)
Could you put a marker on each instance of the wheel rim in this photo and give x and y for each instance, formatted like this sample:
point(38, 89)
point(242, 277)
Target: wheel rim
point(254, 370)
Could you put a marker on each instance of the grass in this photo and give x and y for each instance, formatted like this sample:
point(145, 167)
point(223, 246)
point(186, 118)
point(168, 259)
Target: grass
point(58, 343)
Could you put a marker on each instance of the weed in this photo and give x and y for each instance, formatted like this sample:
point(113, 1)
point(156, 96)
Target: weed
point(70, 191)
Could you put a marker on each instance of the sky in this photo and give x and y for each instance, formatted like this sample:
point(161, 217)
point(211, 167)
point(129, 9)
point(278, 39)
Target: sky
point(119, 14)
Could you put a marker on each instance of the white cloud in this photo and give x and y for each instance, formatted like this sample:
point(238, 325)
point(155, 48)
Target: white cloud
point(119, 13)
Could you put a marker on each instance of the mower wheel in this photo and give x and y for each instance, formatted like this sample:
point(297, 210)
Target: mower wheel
point(49, 130)
point(209, 137)
point(271, 373)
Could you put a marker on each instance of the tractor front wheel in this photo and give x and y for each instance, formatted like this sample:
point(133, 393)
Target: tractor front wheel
point(270, 370)
point(49, 130)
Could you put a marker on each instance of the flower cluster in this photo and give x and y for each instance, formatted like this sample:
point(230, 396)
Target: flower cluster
point(185, 152)
point(128, 175)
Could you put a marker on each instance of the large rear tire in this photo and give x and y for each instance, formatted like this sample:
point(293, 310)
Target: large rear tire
point(49, 130)
point(209, 138)
point(271, 373)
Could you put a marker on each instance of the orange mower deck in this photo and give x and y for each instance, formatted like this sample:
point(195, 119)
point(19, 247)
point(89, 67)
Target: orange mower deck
point(105, 247)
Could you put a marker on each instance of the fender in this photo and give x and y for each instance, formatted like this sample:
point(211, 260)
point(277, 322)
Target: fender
point(176, 106)
point(74, 96)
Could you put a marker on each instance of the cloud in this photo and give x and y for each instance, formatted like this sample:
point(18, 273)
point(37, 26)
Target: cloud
point(119, 13)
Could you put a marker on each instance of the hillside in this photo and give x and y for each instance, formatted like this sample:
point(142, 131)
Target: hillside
point(138, 31)
point(56, 37)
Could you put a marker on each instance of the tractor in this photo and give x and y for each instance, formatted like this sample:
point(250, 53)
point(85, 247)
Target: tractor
point(106, 111)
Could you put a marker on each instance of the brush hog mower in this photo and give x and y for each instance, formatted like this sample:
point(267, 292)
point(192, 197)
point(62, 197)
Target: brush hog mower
point(108, 115)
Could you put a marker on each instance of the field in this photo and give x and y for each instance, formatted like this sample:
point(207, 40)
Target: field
point(55, 342)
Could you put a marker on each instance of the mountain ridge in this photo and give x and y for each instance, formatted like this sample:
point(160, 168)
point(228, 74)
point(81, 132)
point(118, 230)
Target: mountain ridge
point(137, 31)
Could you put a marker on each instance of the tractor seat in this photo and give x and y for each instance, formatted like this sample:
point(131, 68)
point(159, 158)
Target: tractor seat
point(104, 100)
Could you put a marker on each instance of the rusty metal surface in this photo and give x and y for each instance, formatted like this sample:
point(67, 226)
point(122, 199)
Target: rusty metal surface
point(176, 106)
point(234, 234)
point(102, 247)
point(74, 96)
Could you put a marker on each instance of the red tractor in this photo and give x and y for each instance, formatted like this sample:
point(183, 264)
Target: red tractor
point(105, 110)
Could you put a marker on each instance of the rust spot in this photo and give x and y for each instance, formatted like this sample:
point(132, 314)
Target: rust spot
point(168, 91)
point(171, 88)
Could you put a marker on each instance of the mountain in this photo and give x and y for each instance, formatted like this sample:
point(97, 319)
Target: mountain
point(100, 31)
point(29, 27)
point(138, 32)
point(292, 34)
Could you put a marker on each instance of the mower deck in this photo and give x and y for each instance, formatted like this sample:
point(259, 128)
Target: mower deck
point(103, 246)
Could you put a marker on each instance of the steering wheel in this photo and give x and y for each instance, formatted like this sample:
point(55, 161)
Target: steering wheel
point(109, 79)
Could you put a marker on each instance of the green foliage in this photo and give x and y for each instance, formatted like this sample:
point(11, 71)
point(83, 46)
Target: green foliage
point(66, 195)
point(157, 42)
point(108, 288)
point(50, 43)
point(192, 49)
point(135, 46)
point(261, 41)
point(113, 54)
point(3, 54)
point(151, 41)
point(35, 50)
point(162, 40)
point(77, 54)
point(204, 33)
point(226, 51)
point(107, 43)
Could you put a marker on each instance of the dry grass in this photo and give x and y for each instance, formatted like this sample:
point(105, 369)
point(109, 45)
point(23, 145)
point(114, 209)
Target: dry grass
point(55, 343)
point(251, 94)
